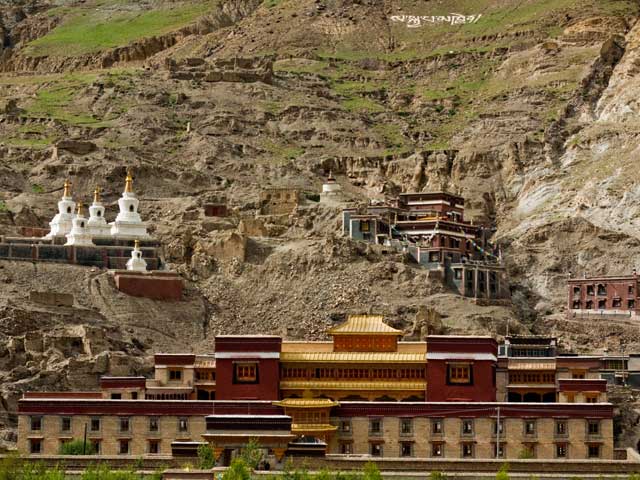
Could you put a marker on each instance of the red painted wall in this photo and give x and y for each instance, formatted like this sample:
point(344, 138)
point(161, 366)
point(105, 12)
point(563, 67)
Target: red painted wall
point(482, 389)
point(157, 288)
point(246, 350)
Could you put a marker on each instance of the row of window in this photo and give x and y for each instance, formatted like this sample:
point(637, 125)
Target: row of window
point(532, 377)
point(124, 446)
point(353, 373)
point(602, 304)
point(468, 450)
point(95, 424)
point(602, 289)
point(467, 427)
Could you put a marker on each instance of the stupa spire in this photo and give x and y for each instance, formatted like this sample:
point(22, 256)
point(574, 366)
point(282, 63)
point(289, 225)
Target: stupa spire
point(128, 184)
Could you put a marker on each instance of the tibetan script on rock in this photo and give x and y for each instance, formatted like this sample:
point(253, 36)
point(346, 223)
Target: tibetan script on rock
point(416, 21)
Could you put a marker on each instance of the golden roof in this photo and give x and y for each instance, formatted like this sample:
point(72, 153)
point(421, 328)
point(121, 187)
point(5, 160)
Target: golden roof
point(351, 385)
point(306, 403)
point(312, 427)
point(289, 346)
point(353, 357)
point(364, 325)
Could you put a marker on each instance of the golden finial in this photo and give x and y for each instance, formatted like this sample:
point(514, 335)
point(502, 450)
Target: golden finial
point(80, 209)
point(136, 244)
point(128, 187)
point(96, 194)
point(67, 188)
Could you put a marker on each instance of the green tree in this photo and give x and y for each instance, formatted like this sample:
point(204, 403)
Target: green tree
point(371, 472)
point(238, 470)
point(206, 457)
point(437, 476)
point(77, 447)
point(252, 454)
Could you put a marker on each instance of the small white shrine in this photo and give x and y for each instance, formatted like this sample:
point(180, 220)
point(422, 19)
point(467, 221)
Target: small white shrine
point(331, 190)
point(136, 263)
point(128, 223)
point(79, 236)
point(97, 225)
point(62, 223)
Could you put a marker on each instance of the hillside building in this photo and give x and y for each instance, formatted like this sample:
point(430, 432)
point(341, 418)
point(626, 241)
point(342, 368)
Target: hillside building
point(366, 392)
point(616, 296)
point(432, 229)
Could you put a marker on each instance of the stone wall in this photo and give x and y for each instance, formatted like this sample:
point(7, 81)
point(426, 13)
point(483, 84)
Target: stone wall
point(279, 201)
point(52, 298)
point(245, 70)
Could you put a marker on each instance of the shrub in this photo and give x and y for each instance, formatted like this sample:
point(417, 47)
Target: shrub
point(77, 447)
point(237, 471)
point(437, 476)
point(206, 457)
point(503, 473)
point(525, 454)
point(37, 188)
point(371, 472)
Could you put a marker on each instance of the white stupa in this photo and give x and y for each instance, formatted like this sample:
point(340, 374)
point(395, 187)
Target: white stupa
point(79, 236)
point(331, 190)
point(136, 262)
point(128, 223)
point(62, 222)
point(97, 224)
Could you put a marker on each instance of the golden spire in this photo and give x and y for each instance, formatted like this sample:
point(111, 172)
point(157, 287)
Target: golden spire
point(128, 186)
point(96, 194)
point(80, 209)
point(67, 188)
point(136, 244)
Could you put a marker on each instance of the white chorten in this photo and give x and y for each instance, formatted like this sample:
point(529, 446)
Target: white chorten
point(128, 223)
point(62, 223)
point(331, 190)
point(79, 236)
point(136, 262)
point(97, 224)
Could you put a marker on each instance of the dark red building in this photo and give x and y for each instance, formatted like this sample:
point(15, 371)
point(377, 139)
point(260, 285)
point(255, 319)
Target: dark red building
point(611, 295)
point(461, 369)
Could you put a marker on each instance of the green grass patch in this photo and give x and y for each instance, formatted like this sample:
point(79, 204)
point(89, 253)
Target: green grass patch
point(92, 29)
point(283, 152)
point(362, 104)
point(36, 188)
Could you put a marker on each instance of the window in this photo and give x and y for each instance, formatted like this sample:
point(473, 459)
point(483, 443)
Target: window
point(459, 373)
point(406, 449)
point(375, 449)
point(578, 374)
point(153, 424)
point(434, 256)
point(467, 450)
point(95, 425)
point(116, 396)
point(175, 375)
point(437, 426)
point(457, 273)
point(406, 426)
point(154, 447)
point(36, 424)
point(593, 427)
point(591, 398)
point(590, 290)
point(577, 304)
point(561, 427)
point(602, 304)
point(134, 395)
point(602, 289)
point(498, 452)
point(630, 290)
point(498, 427)
point(437, 450)
point(529, 427)
point(365, 226)
point(35, 446)
point(346, 448)
point(183, 424)
point(375, 426)
point(245, 373)
point(561, 450)
point(467, 427)
point(65, 424)
point(631, 304)
point(594, 451)
point(616, 303)
point(96, 446)
point(345, 427)
point(589, 305)
point(123, 447)
point(576, 291)
point(124, 424)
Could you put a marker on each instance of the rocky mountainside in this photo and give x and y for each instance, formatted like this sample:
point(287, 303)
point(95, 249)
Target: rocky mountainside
point(529, 111)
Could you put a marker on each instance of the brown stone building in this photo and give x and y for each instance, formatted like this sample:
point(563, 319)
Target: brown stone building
point(604, 296)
